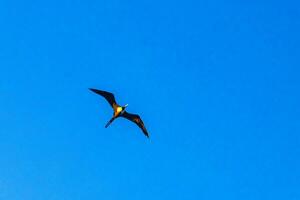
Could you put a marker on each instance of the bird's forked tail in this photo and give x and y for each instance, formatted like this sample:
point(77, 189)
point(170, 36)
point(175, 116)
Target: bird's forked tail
point(109, 122)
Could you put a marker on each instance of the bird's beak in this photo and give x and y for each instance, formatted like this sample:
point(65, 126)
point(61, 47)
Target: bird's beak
point(126, 105)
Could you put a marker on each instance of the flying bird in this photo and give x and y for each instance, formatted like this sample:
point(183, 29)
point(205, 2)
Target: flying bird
point(119, 111)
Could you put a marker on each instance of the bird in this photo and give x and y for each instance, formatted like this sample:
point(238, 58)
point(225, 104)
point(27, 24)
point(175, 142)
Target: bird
point(119, 111)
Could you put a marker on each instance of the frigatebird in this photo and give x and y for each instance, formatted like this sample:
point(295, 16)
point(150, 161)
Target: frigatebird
point(119, 111)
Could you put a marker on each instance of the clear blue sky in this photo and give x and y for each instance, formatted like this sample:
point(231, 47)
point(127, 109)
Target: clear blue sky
point(216, 83)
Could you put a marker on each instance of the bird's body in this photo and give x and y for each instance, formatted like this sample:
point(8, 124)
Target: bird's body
point(119, 111)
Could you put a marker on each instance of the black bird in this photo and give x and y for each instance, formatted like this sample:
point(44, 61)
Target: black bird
point(119, 111)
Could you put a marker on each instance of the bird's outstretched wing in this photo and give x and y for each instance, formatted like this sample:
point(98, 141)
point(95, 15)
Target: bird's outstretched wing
point(107, 95)
point(136, 119)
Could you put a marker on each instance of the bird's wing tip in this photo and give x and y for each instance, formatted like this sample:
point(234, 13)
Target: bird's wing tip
point(92, 89)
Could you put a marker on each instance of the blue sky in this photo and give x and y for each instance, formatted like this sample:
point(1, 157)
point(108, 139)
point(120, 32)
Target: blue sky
point(216, 83)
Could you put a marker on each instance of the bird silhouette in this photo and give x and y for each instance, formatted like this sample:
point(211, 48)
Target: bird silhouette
point(119, 111)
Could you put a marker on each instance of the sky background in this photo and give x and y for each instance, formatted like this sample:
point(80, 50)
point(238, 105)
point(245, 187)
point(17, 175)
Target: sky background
point(216, 83)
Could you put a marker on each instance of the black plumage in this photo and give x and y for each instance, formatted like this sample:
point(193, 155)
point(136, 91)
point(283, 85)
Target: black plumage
point(119, 111)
